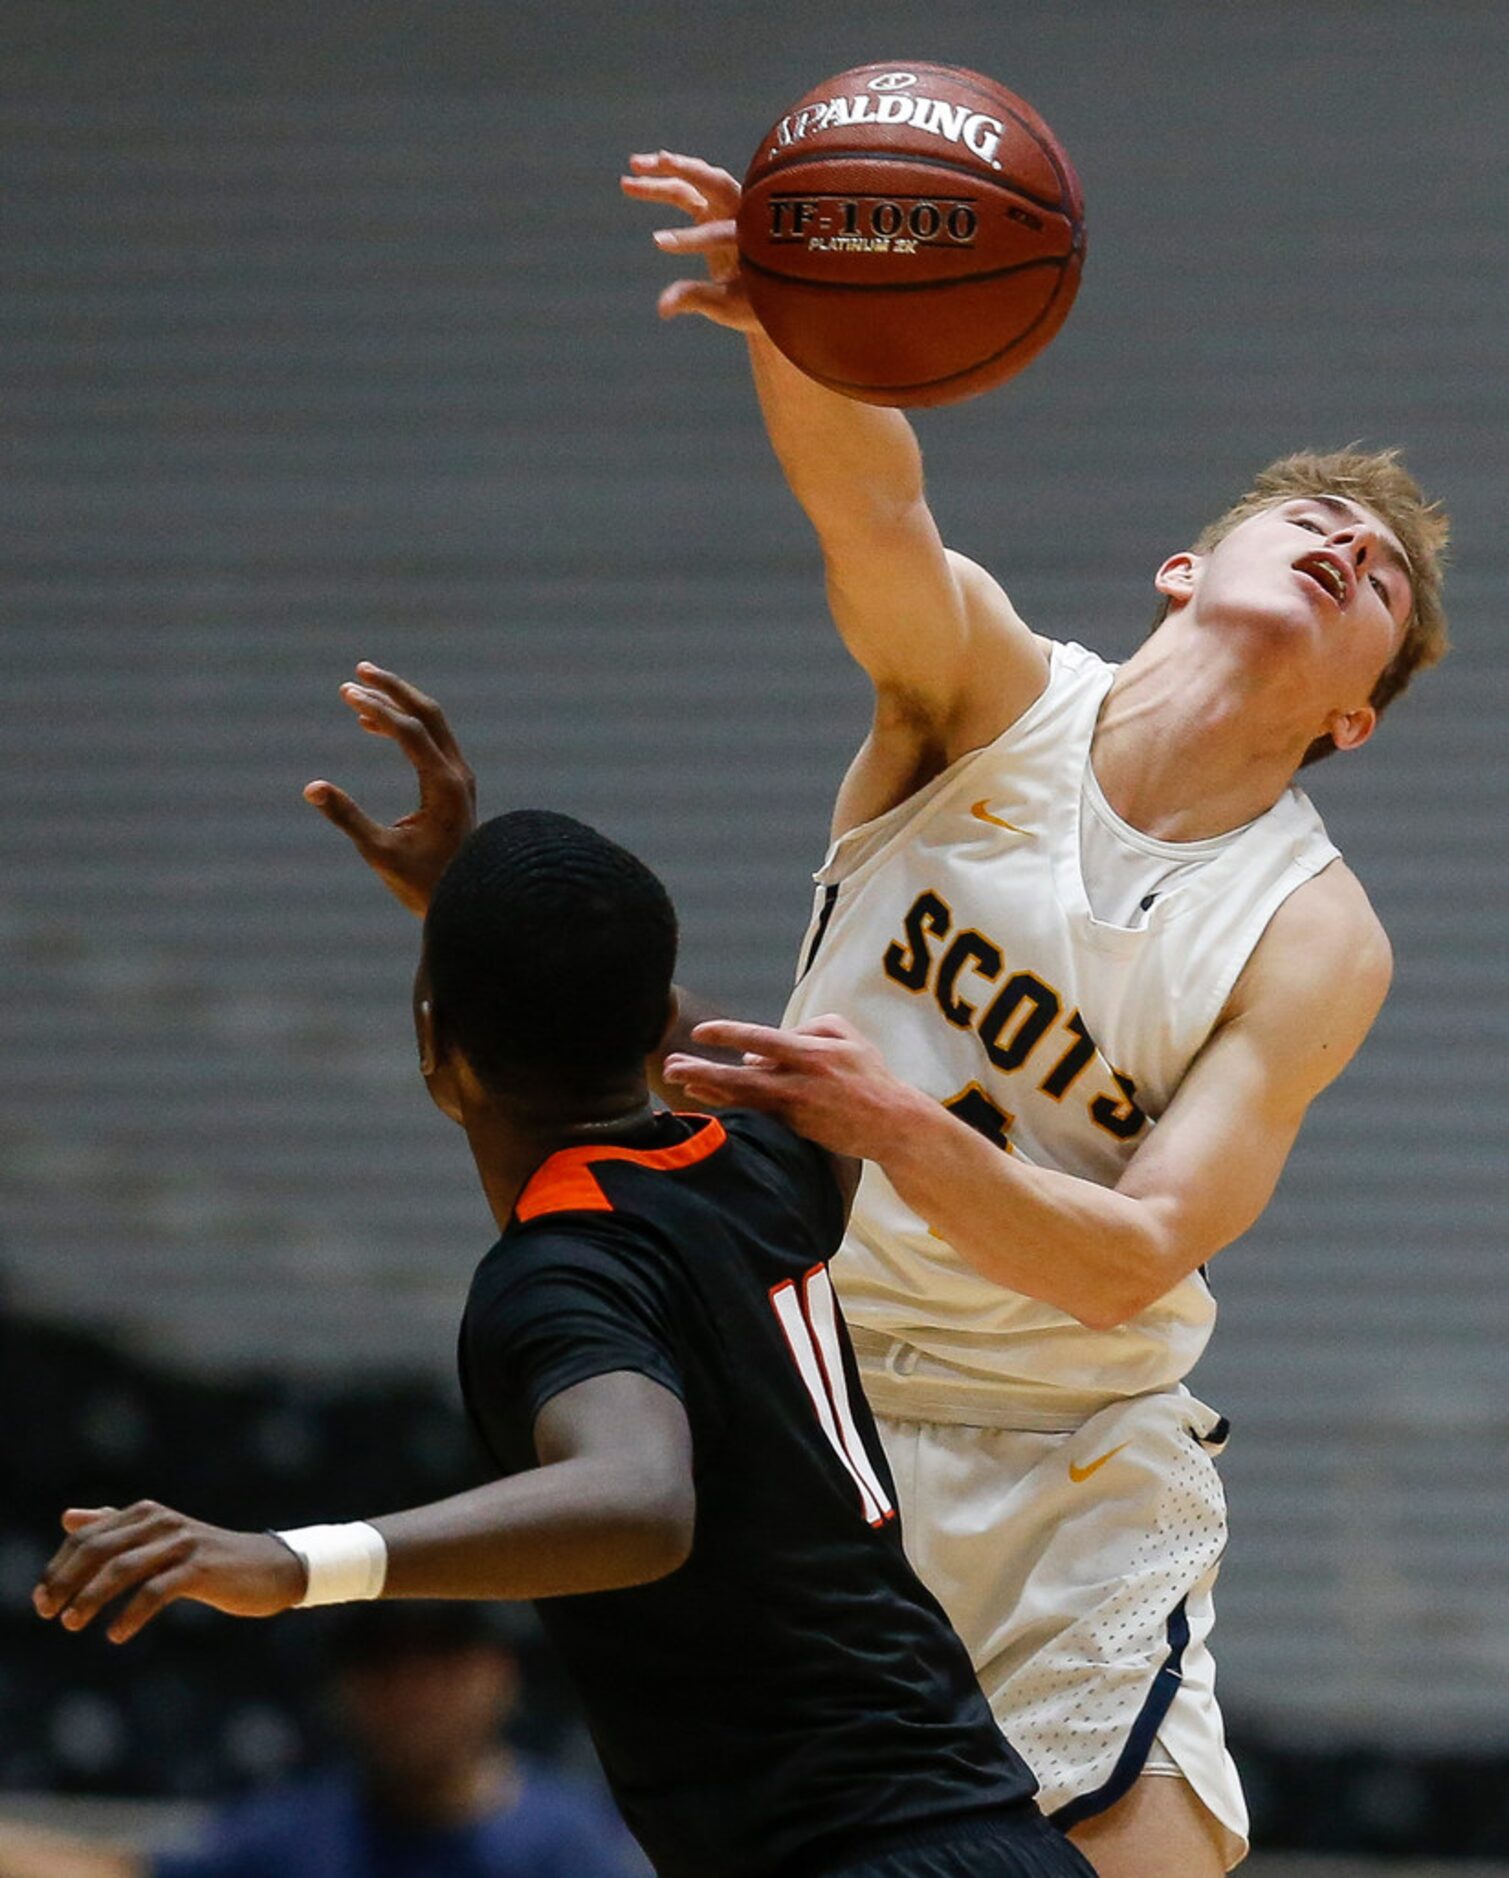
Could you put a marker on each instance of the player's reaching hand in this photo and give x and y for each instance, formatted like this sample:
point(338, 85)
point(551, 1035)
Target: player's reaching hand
point(152, 1557)
point(411, 854)
point(821, 1078)
point(711, 198)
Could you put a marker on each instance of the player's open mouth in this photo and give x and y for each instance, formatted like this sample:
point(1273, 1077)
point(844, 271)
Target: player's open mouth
point(1328, 574)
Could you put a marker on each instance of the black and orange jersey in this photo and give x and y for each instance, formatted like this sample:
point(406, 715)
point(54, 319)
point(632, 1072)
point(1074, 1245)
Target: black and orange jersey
point(792, 1692)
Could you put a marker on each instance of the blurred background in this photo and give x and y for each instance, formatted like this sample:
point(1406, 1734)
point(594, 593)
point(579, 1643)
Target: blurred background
point(325, 334)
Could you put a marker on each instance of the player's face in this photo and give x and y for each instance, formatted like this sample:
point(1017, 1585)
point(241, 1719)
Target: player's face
point(1322, 585)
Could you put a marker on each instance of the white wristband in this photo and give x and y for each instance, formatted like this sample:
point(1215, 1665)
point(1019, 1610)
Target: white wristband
point(345, 1563)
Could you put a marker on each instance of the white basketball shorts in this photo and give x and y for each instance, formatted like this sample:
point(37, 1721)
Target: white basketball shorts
point(1078, 1569)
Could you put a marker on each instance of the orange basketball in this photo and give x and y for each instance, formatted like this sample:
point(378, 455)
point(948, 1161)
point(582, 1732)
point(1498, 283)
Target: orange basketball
point(911, 233)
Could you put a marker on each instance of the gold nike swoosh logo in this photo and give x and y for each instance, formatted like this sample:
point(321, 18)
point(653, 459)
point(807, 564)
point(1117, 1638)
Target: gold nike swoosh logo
point(1077, 1474)
point(981, 812)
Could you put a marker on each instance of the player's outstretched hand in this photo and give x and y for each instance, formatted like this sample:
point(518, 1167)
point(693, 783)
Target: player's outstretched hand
point(711, 198)
point(151, 1556)
point(821, 1078)
point(411, 854)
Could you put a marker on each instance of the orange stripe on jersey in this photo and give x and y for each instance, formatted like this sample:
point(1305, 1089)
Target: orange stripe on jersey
point(565, 1183)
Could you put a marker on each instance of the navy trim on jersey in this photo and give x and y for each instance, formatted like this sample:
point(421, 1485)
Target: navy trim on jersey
point(1149, 1720)
point(830, 898)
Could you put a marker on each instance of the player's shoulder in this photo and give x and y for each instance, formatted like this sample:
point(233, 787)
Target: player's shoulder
point(800, 1165)
point(1331, 919)
point(1325, 950)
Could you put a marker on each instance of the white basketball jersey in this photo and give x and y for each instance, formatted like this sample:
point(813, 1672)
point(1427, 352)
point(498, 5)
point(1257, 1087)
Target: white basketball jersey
point(956, 933)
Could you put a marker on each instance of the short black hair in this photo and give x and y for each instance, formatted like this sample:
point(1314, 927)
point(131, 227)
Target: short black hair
point(551, 951)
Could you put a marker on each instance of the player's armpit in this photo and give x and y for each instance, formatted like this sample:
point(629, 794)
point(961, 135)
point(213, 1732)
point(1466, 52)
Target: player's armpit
point(611, 1504)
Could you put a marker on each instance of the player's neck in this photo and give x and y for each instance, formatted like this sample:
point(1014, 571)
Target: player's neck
point(509, 1143)
point(1189, 745)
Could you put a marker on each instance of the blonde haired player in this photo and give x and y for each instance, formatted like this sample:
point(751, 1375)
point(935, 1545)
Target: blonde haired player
point(1092, 955)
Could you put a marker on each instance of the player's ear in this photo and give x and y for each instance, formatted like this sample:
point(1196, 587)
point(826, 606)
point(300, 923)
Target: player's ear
point(668, 1028)
point(1175, 580)
point(424, 1036)
point(1350, 730)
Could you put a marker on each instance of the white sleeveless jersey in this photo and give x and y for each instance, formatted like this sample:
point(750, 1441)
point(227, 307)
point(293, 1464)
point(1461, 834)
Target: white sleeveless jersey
point(955, 932)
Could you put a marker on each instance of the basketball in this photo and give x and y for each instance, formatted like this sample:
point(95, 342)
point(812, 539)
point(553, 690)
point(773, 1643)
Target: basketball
point(911, 234)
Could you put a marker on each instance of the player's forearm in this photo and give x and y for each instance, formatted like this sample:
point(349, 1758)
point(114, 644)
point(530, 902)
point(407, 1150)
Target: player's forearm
point(586, 1524)
point(1088, 1250)
point(850, 465)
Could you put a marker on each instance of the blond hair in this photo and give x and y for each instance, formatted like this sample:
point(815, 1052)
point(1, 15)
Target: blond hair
point(1381, 483)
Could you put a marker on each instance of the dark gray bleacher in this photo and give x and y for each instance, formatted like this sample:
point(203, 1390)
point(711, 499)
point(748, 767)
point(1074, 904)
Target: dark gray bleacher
point(324, 334)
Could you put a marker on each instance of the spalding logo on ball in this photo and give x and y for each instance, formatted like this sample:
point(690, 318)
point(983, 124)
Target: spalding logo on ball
point(911, 233)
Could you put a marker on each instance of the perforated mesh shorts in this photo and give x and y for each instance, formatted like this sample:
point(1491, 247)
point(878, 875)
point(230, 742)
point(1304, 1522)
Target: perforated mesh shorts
point(1078, 1570)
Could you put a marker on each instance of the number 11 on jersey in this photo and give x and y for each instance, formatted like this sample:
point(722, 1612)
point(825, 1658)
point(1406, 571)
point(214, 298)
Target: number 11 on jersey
point(809, 1318)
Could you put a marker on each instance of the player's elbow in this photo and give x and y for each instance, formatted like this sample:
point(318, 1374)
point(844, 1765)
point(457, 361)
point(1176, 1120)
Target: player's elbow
point(659, 1526)
point(1143, 1272)
point(1108, 1309)
point(664, 1546)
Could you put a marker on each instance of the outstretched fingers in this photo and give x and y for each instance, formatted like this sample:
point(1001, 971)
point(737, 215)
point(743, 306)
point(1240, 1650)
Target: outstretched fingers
point(722, 301)
point(716, 186)
point(385, 716)
point(343, 813)
point(415, 703)
point(669, 190)
point(699, 239)
point(764, 1041)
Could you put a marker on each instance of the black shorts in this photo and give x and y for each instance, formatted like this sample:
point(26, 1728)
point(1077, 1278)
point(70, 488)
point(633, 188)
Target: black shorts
point(1018, 1843)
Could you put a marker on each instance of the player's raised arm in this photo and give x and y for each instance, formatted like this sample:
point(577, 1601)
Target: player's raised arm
point(951, 662)
point(611, 1504)
point(409, 855)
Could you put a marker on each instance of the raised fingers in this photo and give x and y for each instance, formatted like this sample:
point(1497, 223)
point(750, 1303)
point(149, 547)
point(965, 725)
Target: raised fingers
point(376, 711)
point(723, 301)
point(409, 698)
point(699, 239)
point(338, 808)
point(720, 190)
point(667, 189)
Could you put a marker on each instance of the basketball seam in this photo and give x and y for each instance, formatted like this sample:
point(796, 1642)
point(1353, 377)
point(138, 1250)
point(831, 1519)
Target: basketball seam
point(986, 88)
point(905, 156)
point(910, 286)
point(928, 384)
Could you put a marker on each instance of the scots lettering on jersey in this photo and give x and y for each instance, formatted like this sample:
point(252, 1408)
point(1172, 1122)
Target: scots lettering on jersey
point(975, 131)
point(1022, 1022)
